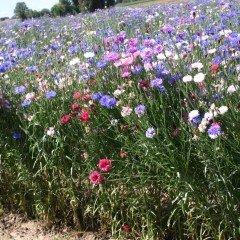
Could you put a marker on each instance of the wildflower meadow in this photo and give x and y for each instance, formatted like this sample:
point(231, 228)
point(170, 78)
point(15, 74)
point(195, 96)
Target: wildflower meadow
point(125, 121)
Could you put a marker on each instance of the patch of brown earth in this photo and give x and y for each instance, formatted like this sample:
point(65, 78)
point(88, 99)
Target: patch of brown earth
point(16, 227)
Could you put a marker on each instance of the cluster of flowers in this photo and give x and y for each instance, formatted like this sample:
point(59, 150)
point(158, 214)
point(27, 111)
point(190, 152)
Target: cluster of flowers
point(105, 166)
point(182, 52)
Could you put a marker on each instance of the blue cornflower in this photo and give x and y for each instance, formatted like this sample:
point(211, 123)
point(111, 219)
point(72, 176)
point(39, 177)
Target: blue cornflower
point(101, 64)
point(32, 68)
point(20, 90)
point(214, 131)
point(162, 88)
point(197, 120)
point(3, 67)
point(156, 83)
point(140, 110)
point(54, 47)
point(137, 69)
point(217, 96)
point(97, 96)
point(73, 49)
point(108, 101)
point(50, 94)
point(26, 103)
point(16, 135)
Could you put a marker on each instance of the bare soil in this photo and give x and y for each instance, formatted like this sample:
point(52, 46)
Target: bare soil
point(16, 227)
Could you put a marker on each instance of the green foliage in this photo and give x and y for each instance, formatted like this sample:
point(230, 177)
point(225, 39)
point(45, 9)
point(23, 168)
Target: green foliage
point(69, 8)
point(110, 3)
point(58, 10)
point(33, 14)
point(45, 11)
point(75, 4)
point(21, 10)
point(91, 5)
point(180, 184)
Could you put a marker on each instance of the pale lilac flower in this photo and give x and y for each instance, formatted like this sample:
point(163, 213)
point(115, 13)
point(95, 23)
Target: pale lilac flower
point(150, 133)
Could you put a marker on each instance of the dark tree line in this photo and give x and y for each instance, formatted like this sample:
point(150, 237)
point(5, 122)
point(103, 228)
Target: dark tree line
point(62, 8)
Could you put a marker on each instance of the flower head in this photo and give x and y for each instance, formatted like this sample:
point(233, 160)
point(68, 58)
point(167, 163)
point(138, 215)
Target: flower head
point(140, 110)
point(16, 135)
point(51, 131)
point(108, 101)
point(65, 119)
point(214, 131)
point(150, 133)
point(96, 178)
point(126, 111)
point(20, 90)
point(198, 78)
point(105, 164)
point(50, 94)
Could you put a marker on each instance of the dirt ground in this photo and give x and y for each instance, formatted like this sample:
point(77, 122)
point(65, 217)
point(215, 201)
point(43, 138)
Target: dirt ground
point(16, 227)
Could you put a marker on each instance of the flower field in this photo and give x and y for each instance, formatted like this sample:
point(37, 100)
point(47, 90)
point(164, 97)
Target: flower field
point(125, 121)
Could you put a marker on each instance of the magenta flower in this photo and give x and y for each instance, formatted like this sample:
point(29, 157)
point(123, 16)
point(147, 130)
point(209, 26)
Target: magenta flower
point(96, 178)
point(105, 164)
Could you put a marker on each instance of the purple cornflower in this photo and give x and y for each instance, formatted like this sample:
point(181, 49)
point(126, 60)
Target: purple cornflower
point(20, 90)
point(140, 110)
point(150, 133)
point(111, 57)
point(214, 131)
point(108, 101)
point(26, 103)
point(167, 29)
point(50, 94)
point(156, 83)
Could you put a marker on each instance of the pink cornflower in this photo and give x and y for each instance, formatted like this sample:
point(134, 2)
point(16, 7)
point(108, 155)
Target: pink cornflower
point(96, 178)
point(65, 119)
point(105, 164)
point(126, 228)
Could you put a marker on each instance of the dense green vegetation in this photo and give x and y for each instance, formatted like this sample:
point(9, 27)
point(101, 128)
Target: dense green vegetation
point(125, 120)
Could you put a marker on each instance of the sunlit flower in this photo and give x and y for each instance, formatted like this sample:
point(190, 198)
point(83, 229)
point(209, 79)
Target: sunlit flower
point(150, 133)
point(51, 131)
point(187, 78)
point(126, 111)
point(105, 164)
point(198, 78)
point(96, 178)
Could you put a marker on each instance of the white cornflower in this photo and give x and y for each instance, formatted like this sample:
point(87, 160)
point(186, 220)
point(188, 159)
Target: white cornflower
point(211, 51)
point(231, 89)
point(223, 109)
point(51, 131)
point(208, 116)
point(118, 92)
point(187, 78)
point(197, 65)
point(126, 111)
point(30, 96)
point(74, 61)
point(89, 55)
point(114, 122)
point(198, 78)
